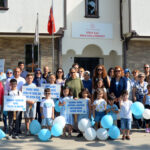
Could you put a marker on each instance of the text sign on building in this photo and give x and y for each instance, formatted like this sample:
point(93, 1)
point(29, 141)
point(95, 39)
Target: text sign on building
point(92, 30)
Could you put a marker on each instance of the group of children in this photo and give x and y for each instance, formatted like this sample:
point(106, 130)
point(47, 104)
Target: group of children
point(98, 106)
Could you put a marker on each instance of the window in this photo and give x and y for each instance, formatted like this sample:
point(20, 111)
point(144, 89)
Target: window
point(31, 57)
point(91, 9)
point(3, 4)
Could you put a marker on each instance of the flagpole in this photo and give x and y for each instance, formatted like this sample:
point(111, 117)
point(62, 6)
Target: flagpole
point(38, 41)
point(53, 46)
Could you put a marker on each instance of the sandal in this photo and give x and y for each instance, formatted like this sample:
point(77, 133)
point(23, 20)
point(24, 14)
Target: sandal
point(123, 137)
point(128, 137)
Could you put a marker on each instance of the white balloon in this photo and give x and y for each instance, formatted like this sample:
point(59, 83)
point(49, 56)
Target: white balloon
point(146, 114)
point(90, 134)
point(102, 134)
point(84, 124)
point(60, 120)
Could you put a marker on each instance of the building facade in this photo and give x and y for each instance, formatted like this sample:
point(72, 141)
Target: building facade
point(92, 38)
point(87, 32)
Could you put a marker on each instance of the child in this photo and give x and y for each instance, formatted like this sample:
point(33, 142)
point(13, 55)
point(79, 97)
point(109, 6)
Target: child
point(100, 85)
point(47, 110)
point(13, 117)
point(146, 102)
point(125, 114)
point(112, 109)
point(85, 94)
point(30, 112)
point(100, 107)
point(52, 79)
point(66, 95)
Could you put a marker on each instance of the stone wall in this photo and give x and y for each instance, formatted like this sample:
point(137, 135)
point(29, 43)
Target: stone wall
point(138, 54)
point(13, 50)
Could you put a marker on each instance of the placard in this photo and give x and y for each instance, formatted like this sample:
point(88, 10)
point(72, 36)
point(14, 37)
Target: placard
point(14, 103)
point(2, 62)
point(76, 106)
point(55, 89)
point(33, 94)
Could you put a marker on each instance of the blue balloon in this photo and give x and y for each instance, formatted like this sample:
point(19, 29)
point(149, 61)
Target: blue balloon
point(57, 107)
point(2, 134)
point(138, 117)
point(137, 108)
point(35, 127)
point(107, 121)
point(56, 130)
point(92, 121)
point(44, 135)
point(114, 132)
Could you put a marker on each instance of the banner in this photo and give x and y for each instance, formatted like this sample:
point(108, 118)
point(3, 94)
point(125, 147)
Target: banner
point(2, 62)
point(55, 89)
point(33, 94)
point(14, 103)
point(76, 106)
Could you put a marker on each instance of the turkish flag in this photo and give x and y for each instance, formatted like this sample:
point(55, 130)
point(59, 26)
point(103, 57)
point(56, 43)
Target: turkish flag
point(51, 23)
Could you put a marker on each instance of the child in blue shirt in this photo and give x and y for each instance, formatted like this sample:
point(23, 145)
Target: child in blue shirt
point(112, 109)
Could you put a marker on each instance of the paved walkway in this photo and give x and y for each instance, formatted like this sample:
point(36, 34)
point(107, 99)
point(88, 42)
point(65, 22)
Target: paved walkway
point(139, 141)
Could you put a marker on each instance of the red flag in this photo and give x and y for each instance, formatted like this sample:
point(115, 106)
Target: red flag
point(51, 23)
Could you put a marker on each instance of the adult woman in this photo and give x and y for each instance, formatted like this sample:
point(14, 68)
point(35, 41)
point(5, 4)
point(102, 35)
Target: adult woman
point(38, 80)
point(100, 73)
point(74, 83)
point(118, 83)
point(140, 88)
point(60, 77)
point(111, 73)
point(135, 78)
point(81, 73)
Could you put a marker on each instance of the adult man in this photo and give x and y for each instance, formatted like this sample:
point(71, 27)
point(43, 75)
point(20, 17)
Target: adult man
point(46, 73)
point(147, 72)
point(20, 82)
point(23, 72)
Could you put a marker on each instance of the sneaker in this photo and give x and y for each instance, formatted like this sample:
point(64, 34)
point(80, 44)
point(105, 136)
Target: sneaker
point(9, 137)
point(15, 137)
point(128, 137)
point(147, 130)
point(27, 133)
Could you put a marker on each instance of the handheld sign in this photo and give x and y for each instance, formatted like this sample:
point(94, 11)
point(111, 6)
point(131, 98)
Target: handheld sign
point(76, 106)
point(2, 62)
point(14, 103)
point(32, 94)
point(55, 89)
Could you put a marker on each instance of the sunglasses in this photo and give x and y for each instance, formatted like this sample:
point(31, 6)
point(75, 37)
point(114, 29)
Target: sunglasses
point(59, 71)
point(117, 70)
point(99, 69)
point(47, 93)
point(146, 67)
point(9, 72)
point(72, 72)
point(38, 73)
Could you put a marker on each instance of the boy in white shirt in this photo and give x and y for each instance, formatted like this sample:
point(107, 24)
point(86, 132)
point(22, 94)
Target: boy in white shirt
point(125, 115)
point(47, 110)
point(13, 116)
